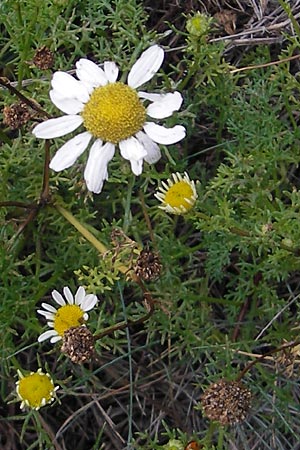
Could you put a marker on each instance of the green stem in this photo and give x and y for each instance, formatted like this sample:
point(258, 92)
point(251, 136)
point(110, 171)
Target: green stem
point(82, 230)
point(244, 233)
point(290, 15)
point(130, 408)
point(127, 215)
point(207, 441)
point(220, 439)
point(86, 234)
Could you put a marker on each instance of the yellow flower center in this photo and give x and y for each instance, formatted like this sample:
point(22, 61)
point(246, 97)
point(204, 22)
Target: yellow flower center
point(36, 389)
point(68, 316)
point(114, 112)
point(177, 195)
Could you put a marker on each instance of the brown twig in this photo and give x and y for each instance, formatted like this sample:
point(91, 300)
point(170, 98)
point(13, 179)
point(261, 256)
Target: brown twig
point(130, 323)
point(259, 66)
point(49, 431)
point(242, 313)
point(44, 196)
point(34, 105)
point(262, 357)
point(17, 205)
point(147, 219)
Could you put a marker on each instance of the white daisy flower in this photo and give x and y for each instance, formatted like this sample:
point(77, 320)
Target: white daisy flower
point(112, 113)
point(178, 195)
point(71, 312)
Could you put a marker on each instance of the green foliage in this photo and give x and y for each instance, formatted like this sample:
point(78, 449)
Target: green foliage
point(229, 285)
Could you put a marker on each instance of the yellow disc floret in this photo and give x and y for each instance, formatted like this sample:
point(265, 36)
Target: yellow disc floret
point(36, 390)
point(179, 194)
point(68, 316)
point(114, 112)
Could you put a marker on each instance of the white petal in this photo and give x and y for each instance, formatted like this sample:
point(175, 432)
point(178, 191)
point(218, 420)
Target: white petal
point(46, 335)
point(85, 316)
point(89, 302)
point(152, 149)
point(111, 71)
point(66, 105)
point(68, 294)
point(55, 339)
point(149, 96)
point(96, 169)
point(69, 87)
point(57, 127)
point(131, 148)
point(89, 72)
point(146, 66)
point(70, 151)
point(48, 315)
point(50, 324)
point(134, 151)
point(163, 135)
point(58, 298)
point(136, 166)
point(48, 307)
point(79, 296)
point(165, 106)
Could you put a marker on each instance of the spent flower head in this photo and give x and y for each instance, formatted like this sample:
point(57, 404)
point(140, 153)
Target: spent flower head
point(178, 195)
point(43, 58)
point(112, 114)
point(78, 344)
point(227, 402)
point(35, 390)
point(148, 265)
point(16, 115)
point(72, 312)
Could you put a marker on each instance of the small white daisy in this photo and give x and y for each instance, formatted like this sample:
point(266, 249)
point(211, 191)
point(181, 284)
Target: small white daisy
point(71, 312)
point(35, 390)
point(178, 195)
point(112, 113)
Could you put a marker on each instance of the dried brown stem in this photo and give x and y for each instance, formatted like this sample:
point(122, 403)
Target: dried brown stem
point(260, 66)
point(262, 357)
point(147, 218)
point(45, 195)
point(32, 104)
point(130, 323)
point(17, 205)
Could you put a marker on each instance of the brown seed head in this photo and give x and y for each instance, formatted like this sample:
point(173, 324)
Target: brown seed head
point(286, 360)
point(148, 265)
point(43, 58)
point(16, 115)
point(78, 344)
point(227, 402)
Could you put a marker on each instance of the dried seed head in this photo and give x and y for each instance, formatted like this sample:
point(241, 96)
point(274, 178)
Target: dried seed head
point(43, 58)
point(227, 402)
point(16, 115)
point(227, 20)
point(286, 360)
point(78, 344)
point(148, 266)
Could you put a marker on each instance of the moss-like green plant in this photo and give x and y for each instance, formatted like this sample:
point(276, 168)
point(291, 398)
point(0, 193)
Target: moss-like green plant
point(225, 295)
